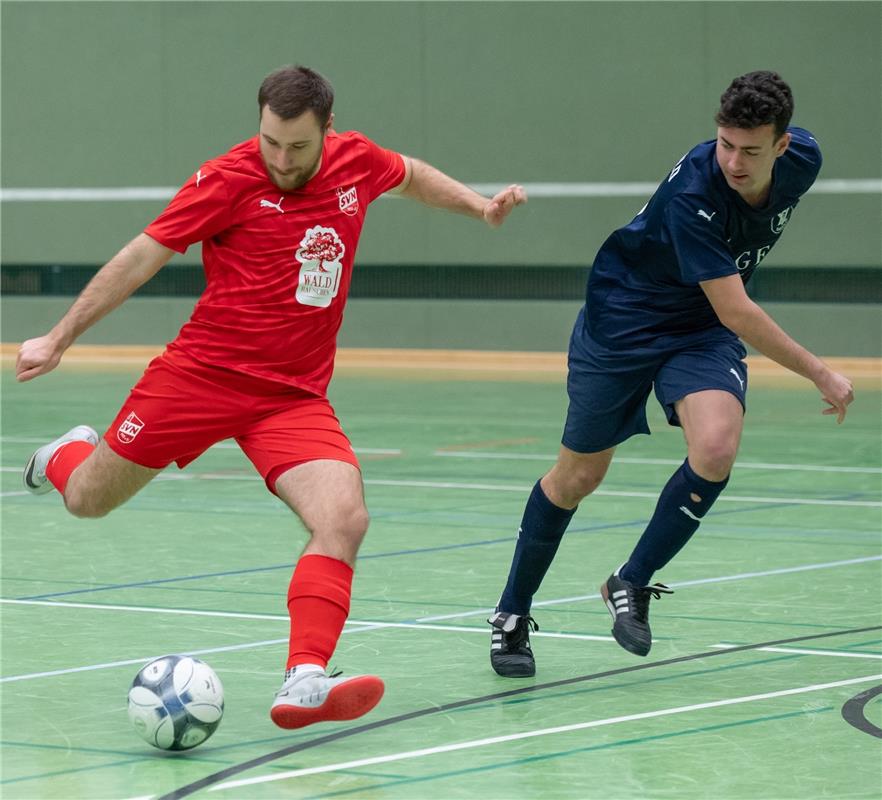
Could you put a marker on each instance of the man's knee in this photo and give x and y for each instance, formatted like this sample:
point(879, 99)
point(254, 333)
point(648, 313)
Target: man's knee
point(567, 487)
point(713, 458)
point(351, 522)
point(85, 505)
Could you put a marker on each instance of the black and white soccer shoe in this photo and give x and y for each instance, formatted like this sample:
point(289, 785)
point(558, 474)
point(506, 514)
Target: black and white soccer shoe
point(510, 653)
point(629, 606)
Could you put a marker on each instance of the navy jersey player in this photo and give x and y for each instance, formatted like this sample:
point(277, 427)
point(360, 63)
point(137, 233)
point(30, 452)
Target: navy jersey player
point(666, 310)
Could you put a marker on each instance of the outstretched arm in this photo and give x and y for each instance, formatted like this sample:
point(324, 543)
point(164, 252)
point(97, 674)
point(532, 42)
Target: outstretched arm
point(131, 267)
point(432, 187)
point(746, 319)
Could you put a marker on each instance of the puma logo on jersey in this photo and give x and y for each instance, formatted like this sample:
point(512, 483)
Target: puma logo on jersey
point(276, 206)
point(703, 213)
point(200, 177)
point(737, 377)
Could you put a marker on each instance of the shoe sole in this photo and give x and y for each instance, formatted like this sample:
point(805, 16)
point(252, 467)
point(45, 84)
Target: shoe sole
point(623, 641)
point(347, 701)
point(515, 672)
point(29, 473)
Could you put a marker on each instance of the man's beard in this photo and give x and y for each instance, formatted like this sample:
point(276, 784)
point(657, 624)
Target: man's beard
point(296, 179)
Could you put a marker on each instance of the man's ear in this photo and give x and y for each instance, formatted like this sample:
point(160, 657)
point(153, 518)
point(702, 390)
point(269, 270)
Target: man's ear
point(782, 144)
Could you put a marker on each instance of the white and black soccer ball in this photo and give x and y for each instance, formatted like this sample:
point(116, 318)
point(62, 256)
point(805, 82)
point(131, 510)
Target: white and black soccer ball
point(176, 702)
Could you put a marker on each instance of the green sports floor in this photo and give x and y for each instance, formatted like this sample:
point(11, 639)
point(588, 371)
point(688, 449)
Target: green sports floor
point(765, 679)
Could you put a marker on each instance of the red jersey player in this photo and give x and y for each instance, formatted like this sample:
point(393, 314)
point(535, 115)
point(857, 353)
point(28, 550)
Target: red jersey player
point(279, 217)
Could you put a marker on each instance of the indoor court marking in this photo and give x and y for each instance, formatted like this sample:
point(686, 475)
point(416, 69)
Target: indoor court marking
point(767, 654)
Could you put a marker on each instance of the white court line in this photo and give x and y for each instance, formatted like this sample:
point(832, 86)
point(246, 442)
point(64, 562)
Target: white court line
point(579, 726)
point(128, 662)
point(419, 623)
point(144, 609)
point(672, 462)
point(483, 631)
point(14, 494)
point(679, 585)
point(804, 651)
point(554, 190)
point(363, 626)
point(489, 487)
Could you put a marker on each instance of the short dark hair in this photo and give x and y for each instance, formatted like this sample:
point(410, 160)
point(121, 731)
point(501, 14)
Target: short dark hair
point(292, 90)
point(756, 99)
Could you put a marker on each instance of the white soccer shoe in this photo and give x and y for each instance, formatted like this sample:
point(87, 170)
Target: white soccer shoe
point(34, 475)
point(310, 695)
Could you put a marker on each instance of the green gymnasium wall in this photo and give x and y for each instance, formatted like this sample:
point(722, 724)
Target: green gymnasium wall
point(138, 94)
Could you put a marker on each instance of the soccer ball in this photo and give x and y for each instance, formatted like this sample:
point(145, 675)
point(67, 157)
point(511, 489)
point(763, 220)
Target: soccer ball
point(176, 702)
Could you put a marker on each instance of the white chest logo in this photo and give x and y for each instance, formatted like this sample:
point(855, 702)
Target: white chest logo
point(348, 201)
point(703, 213)
point(200, 177)
point(321, 264)
point(276, 206)
point(780, 220)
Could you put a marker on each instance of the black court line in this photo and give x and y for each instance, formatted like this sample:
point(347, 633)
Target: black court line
point(225, 774)
point(853, 712)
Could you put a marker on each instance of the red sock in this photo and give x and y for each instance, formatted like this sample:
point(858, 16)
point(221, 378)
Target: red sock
point(65, 460)
point(318, 603)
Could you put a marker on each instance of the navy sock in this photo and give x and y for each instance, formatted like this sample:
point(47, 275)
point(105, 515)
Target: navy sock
point(540, 533)
point(676, 518)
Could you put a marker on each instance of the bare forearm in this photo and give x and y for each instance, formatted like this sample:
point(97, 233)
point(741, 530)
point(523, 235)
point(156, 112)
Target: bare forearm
point(761, 332)
point(130, 268)
point(433, 188)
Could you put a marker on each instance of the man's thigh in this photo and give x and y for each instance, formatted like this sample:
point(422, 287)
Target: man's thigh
point(607, 391)
point(104, 481)
point(177, 410)
point(300, 429)
point(717, 364)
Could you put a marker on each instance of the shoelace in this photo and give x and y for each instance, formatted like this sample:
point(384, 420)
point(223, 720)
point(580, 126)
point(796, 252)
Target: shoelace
point(521, 632)
point(640, 596)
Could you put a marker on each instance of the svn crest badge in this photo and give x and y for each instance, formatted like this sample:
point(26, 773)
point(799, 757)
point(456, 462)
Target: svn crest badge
point(348, 201)
point(129, 428)
point(781, 219)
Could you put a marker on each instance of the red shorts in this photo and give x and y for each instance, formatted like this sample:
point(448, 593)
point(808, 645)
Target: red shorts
point(181, 407)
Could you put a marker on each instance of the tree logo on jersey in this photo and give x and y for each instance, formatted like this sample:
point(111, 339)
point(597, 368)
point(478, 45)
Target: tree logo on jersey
point(320, 255)
point(129, 428)
point(780, 220)
point(348, 201)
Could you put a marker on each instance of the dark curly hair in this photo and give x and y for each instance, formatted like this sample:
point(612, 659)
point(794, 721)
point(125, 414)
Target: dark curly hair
point(292, 90)
point(756, 99)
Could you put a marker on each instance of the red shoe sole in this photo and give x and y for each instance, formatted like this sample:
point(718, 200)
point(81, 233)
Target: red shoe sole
point(346, 701)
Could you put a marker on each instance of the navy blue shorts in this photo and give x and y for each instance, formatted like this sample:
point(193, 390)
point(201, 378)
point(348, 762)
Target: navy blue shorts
point(608, 389)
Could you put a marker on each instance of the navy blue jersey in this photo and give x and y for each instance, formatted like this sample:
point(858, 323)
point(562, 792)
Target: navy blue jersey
point(644, 286)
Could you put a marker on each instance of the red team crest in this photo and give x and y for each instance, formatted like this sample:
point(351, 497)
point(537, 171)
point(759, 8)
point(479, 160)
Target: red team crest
point(129, 428)
point(348, 201)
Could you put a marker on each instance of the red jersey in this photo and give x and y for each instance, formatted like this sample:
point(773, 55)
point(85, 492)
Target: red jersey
point(277, 264)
